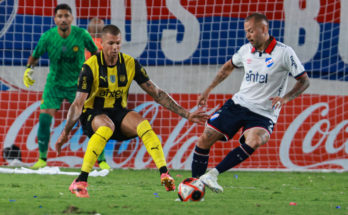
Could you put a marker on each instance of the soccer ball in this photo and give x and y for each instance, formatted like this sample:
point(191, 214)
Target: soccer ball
point(191, 189)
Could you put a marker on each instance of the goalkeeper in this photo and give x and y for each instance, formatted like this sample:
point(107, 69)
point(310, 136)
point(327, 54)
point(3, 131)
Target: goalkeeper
point(101, 106)
point(65, 45)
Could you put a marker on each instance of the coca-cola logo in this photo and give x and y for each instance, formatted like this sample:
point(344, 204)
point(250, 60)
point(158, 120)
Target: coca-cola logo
point(179, 141)
point(325, 137)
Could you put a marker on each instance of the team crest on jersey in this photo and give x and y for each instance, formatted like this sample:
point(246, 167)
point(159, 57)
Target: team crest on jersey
point(75, 48)
point(269, 62)
point(112, 78)
point(248, 61)
point(122, 78)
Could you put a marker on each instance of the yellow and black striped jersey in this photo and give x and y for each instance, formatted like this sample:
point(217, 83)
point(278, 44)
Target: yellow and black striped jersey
point(108, 86)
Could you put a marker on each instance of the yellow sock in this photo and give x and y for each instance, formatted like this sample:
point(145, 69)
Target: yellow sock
point(95, 147)
point(152, 143)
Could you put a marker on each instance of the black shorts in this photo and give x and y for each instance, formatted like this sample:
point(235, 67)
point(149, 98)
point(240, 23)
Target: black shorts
point(231, 117)
point(115, 115)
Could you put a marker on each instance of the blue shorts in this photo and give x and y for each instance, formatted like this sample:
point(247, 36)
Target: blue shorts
point(231, 117)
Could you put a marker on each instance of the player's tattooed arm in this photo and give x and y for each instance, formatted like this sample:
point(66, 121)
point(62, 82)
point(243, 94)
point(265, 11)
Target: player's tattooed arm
point(301, 85)
point(162, 98)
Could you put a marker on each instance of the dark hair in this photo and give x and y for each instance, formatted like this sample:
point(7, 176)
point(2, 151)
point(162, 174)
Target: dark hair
point(258, 17)
point(111, 29)
point(62, 7)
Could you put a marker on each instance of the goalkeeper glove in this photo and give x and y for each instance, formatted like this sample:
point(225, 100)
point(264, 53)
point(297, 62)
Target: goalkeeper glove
point(27, 79)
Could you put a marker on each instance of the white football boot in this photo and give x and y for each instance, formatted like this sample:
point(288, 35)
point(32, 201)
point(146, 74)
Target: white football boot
point(210, 180)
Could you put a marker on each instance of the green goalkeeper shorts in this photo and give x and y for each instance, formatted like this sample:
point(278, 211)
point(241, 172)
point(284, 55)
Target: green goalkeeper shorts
point(53, 96)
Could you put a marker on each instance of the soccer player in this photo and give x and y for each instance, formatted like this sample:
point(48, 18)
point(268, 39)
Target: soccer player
point(101, 106)
point(65, 45)
point(256, 106)
point(94, 28)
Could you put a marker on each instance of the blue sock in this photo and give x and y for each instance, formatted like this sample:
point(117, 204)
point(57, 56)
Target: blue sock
point(235, 157)
point(199, 161)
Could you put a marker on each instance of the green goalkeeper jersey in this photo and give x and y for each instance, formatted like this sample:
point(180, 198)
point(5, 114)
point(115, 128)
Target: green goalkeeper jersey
point(66, 55)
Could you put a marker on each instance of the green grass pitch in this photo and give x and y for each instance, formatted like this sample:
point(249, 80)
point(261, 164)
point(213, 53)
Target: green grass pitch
point(139, 192)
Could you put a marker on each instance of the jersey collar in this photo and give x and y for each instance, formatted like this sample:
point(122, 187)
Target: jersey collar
point(102, 59)
point(269, 48)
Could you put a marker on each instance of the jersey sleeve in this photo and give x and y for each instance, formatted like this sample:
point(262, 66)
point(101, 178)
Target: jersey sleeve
point(237, 58)
point(293, 63)
point(85, 81)
point(40, 48)
point(89, 43)
point(140, 73)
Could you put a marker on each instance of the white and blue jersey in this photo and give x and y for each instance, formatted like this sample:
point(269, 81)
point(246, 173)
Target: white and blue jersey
point(266, 76)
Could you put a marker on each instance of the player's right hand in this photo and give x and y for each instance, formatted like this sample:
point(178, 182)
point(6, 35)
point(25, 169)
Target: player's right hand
point(63, 138)
point(27, 79)
point(199, 116)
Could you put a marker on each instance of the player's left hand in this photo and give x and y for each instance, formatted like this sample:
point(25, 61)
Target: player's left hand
point(278, 102)
point(63, 138)
point(199, 116)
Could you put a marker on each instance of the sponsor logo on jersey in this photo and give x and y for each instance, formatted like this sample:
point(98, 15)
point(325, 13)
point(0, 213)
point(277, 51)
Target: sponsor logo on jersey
point(293, 63)
point(108, 93)
point(102, 78)
point(84, 83)
point(256, 77)
point(269, 62)
point(112, 78)
point(122, 78)
point(75, 48)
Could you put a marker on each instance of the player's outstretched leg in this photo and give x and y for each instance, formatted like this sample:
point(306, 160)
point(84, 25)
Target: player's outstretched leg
point(79, 189)
point(210, 180)
point(168, 181)
point(154, 148)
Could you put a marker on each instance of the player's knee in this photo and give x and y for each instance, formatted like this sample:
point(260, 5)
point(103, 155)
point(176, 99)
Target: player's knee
point(256, 141)
point(105, 132)
point(203, 142)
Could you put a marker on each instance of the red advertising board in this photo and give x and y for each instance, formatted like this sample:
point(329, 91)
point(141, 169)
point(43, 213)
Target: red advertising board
point(311, 133)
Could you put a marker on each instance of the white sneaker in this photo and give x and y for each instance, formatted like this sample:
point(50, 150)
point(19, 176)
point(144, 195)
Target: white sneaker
point(210, 181)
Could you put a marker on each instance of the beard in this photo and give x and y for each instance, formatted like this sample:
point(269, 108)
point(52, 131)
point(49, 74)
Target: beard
point(64, 28)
